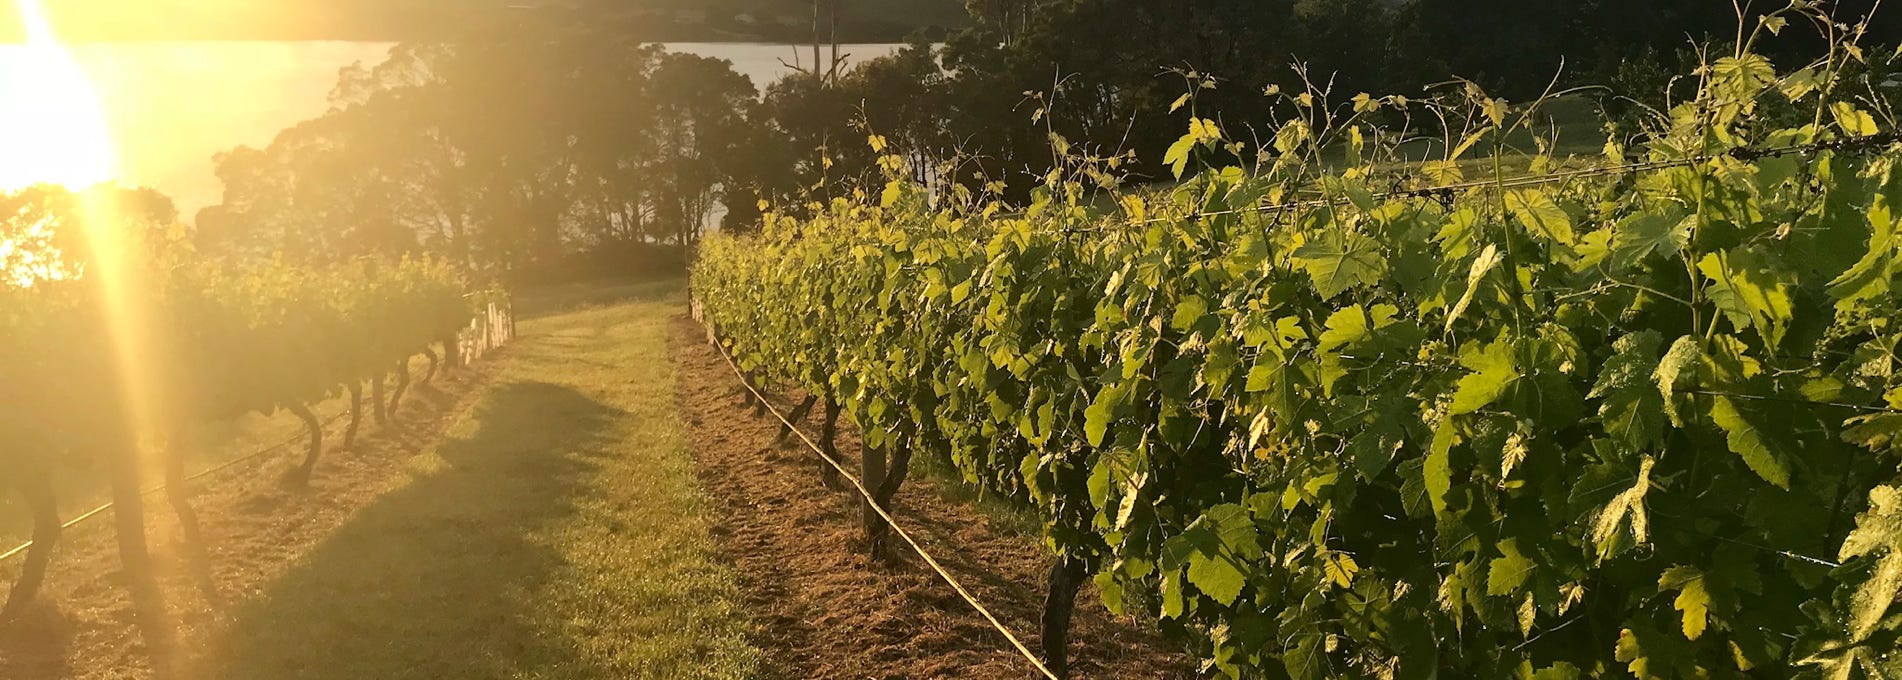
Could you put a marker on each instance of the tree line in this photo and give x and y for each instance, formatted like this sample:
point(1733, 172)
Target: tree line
point(554, 144)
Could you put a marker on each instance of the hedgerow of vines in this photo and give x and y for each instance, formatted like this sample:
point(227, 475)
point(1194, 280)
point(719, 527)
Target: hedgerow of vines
point(102, 377)
point(1636, 422)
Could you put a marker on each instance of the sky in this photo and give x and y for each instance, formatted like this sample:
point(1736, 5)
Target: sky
point(393, 20)
point(93, 20)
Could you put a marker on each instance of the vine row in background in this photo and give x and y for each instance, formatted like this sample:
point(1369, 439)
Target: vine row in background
point(120, 350)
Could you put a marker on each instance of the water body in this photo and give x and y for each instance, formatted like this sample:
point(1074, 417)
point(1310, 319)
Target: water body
point(172, 105)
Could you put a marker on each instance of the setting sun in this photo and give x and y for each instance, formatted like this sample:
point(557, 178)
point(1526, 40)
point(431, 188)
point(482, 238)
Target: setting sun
point(51, 125)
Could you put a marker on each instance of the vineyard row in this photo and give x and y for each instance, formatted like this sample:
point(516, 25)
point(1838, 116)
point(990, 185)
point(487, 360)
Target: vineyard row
point(119, 360)
point(1636, 423)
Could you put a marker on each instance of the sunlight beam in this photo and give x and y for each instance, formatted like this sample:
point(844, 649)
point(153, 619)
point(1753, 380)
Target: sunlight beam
point(52, 127)
point(53, 131)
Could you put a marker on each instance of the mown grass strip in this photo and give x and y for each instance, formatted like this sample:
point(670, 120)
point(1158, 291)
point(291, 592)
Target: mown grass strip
point(557, 532)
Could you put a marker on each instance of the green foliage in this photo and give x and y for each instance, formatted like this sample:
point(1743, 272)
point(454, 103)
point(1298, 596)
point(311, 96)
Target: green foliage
point(142, 337)
point(1616, 424)
point(257, 337)
point(506, 151)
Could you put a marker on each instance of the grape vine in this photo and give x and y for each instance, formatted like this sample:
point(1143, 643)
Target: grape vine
point(208, 340)
point(1641, 422)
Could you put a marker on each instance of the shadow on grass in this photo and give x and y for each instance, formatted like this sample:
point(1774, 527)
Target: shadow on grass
point(35, 645)
point(442, 576)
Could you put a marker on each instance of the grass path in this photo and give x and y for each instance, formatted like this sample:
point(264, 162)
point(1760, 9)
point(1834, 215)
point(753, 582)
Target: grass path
point(557, 531)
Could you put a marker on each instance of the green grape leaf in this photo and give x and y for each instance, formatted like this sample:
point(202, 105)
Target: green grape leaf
point(1218, 577)
point(1763, 453)
point(1374, 446)
point(1801, 83)
point(1188, 312)
point(1111, 590)
point(1684, 353)
point(1851, 633)
point(1509, 571)
point(1751, 288)
point(1650, 654)
point(1727, 361)
point(1638, 237)
point(1627, 504)
point(1261, 377)
point(1217, 548)
point(1744, 75)
point(1102, 410)
point(1493, 372)
point(1872, 274)
point(1345, 329)
point(1461, 589)
point(1220, 364)
point(1541, 215)
point(1276, 335)
point(1878, 533)
point(1632, 410)
point(1339, 568)
point(1173, 602)
point(1487, 259)
point(1177, 158)
point(1854, 121)
point(1341, 260)
point(1876, 431)
point(1438, 472)
point(1693, 599)
point(1559, 671)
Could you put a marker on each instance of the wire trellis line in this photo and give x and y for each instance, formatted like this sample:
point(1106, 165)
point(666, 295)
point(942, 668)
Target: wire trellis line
point(889, 520)
point(221, 467)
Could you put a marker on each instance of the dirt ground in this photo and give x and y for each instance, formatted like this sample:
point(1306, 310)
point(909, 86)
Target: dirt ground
point(822, 610)
point(255, 526)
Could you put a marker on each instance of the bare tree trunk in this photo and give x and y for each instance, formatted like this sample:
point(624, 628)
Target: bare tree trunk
point(178, 492)
point(871, 474)
point(37, 490)
point(302, 474)
point(832, 18)
point(402, 385)
point(378, 410)
point(757, 395)
point(1066, 576)
point(895, 471)
point(828, 435)
point(128, 510)
point(798, 415)
point(452, 352)
point(356, 413)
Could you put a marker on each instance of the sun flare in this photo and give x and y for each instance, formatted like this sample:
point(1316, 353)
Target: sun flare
point(52, 127)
